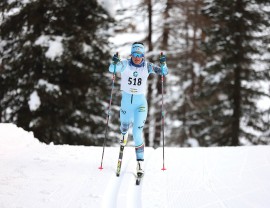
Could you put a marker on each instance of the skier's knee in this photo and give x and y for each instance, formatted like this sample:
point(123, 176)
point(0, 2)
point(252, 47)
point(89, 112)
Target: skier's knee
point(124, 128)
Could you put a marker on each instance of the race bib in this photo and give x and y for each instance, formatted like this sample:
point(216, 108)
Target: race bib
point(134, 80)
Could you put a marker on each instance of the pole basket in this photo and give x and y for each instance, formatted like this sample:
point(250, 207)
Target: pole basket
point(163, 168)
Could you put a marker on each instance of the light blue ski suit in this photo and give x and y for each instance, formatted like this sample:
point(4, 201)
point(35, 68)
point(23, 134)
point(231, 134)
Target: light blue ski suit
point(134, 105)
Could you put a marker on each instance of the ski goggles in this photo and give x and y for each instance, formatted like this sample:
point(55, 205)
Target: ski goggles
point(139, 55)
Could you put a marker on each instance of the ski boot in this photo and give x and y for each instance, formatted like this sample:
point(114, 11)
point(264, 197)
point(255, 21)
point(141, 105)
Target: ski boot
point(140, 171)
point(123, 140)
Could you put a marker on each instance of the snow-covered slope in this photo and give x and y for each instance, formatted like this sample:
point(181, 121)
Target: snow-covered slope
point(38, 175)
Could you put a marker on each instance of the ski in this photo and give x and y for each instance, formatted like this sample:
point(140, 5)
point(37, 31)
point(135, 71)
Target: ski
point(119, 163)
point(139, 178)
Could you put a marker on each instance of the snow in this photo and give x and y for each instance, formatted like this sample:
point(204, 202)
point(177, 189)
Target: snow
point(37, 175)
point(54, 44)
point(34, 101)
point(108, 5)
point(55, 49)
point(48, 86)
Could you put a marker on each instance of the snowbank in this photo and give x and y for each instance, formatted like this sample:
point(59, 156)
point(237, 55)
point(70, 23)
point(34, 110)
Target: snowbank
point(38, 175)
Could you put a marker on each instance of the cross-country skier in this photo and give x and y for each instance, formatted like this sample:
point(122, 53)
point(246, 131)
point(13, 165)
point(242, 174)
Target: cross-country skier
point(134, 107)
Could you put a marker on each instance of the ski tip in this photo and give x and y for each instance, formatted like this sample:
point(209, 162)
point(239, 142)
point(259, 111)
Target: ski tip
point(100, 168)
point(163, 168)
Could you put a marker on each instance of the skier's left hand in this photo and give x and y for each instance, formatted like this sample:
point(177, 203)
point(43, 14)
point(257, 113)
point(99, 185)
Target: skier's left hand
point(162, 59)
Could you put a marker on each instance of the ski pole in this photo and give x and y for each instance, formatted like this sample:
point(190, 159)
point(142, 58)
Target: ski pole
point(108, 117)
point(162, 114)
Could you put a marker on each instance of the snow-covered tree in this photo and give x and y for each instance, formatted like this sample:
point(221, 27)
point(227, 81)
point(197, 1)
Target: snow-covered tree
point(235, 72)
point(55, 60)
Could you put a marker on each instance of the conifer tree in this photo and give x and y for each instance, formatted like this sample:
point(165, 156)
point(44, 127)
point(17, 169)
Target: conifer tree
point(234, 73)
point(55, 61)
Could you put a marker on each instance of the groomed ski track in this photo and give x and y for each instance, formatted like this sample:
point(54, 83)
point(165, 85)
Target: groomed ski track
point(122, 191)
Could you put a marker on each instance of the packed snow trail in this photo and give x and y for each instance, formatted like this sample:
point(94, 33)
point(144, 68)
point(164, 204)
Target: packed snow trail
point(38, 175)
point(122, 191)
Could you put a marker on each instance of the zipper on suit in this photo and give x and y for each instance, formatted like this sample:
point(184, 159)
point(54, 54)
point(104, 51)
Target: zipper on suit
point(131, 100)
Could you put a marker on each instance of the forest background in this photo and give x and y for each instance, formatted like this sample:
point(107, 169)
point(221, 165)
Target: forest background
point(54, 79)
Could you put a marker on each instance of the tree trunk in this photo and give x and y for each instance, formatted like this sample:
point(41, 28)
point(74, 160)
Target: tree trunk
point(237, 86)
point(149, 89)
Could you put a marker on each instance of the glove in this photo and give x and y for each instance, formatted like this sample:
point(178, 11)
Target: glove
point(115, 58)
point(162, 59)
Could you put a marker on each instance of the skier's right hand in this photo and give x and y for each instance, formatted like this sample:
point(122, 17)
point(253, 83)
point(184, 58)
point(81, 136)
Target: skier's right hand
point(116, 58)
